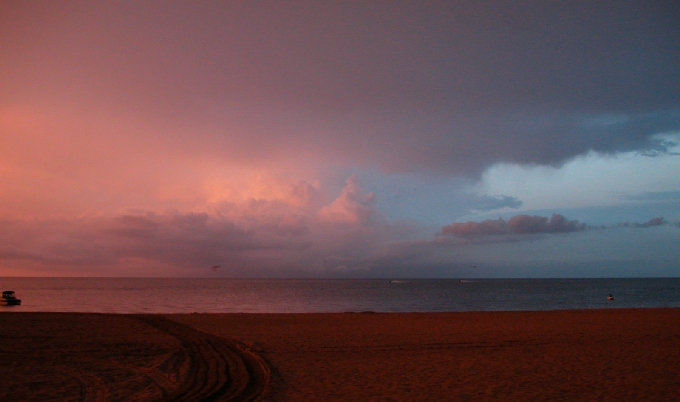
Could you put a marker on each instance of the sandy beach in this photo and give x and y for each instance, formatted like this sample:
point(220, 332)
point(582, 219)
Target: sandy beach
point(613, 354)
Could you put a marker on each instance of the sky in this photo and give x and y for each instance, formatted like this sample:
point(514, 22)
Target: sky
point(382, 139)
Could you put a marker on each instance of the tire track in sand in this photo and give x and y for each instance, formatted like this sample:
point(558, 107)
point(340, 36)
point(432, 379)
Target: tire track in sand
point(218, 370)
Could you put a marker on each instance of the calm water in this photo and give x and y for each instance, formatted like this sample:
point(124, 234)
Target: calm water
point(152, 295)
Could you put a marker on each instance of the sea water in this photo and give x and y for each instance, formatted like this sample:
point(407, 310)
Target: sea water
point(188, 295)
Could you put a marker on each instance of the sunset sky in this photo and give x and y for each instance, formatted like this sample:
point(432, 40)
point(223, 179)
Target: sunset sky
point(340, 138)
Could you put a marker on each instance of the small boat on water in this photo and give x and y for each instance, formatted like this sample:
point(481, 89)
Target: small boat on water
point(9, 299)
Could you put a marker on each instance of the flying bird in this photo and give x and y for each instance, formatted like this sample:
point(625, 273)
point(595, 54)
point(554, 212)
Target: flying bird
point(214, 267)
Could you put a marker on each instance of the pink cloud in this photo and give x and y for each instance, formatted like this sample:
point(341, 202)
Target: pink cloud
point(519, 225)
point(252, 237)
point(658, 221)
point(354, 206)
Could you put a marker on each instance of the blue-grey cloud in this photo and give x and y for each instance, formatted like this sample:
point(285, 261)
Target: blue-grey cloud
point(490, 203)
point(660, 147)
point(655, 196)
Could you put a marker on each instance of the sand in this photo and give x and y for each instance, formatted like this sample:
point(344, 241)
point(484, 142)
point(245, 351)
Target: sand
point(97, 357)
point(612, 354)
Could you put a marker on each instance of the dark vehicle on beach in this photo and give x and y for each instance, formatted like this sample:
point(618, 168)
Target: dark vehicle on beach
point(9, 299)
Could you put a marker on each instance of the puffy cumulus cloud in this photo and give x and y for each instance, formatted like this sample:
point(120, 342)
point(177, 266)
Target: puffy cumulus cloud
point(518, 225)
point(353, 206)
point(283, 208)
point(256, 237)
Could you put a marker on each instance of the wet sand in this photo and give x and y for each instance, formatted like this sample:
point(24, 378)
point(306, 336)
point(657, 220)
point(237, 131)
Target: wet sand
point(613, 354)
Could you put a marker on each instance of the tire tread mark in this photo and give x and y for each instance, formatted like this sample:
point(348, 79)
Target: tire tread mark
point(217, 370)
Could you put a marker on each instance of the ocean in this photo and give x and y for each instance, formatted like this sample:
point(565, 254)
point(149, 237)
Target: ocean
point(189, 295)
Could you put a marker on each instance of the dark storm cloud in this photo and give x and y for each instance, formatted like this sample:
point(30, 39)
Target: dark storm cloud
point(399, 86)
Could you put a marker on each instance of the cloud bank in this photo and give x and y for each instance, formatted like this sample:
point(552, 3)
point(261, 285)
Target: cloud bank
point(658, 221)
point(517, 225)
point(289, 235)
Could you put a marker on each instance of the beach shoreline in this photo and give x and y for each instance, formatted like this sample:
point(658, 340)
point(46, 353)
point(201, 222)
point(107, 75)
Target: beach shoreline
point(603, 354)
